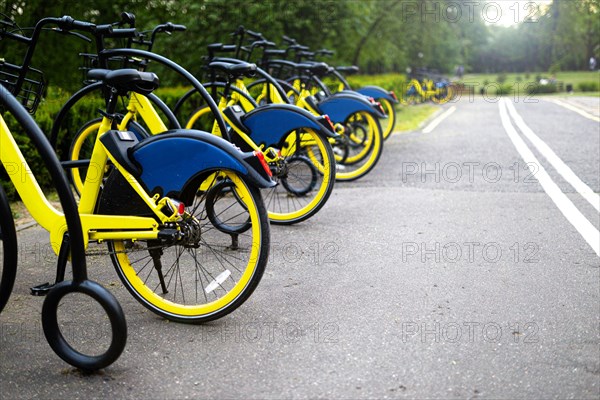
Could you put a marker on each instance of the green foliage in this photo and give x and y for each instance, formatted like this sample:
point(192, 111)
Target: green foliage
point(44, 117)
point(505, 89)
point(537, 88)
point(378, 35)
point(395, 82)
point(554, 69)
point(588, 86)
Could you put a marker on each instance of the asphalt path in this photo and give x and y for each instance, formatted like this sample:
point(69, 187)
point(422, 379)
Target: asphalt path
point(448, 272)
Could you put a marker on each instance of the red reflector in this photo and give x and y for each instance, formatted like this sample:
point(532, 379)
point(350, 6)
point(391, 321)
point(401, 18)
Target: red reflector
point(181, 209)
point(393, 95)
point(380, 107)
point(261, 158)
point(329, 121)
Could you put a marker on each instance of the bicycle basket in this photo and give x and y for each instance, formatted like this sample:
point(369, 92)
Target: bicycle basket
point(32, 88)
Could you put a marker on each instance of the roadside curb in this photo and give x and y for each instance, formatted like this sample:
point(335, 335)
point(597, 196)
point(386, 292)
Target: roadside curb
point(26, 225)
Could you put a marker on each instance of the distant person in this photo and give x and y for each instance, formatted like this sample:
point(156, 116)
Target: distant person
point(460, 71)
point(592, 63)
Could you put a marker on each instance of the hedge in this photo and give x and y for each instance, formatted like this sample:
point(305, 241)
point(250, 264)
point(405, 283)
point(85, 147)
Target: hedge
point(589, 86)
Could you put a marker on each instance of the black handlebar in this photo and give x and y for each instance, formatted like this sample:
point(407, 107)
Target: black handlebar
point(325, 52)
point(170, 27)
point(239, 31)
point(67, 23)
point(289, 40)
point(255, 35)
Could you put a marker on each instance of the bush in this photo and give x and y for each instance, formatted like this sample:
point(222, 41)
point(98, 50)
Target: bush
point(537, 88)
point(501, 78)
point(589, 86)
point(505, 89)
point(395, 82)
point(554, 69)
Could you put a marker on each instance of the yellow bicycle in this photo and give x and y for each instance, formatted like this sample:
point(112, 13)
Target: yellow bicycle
point(181, 213)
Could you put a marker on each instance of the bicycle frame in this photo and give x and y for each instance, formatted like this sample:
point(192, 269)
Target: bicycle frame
point(94, 227)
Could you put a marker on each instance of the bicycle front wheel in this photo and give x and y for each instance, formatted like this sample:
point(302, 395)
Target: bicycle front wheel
point(8, 250)
point(217, 267)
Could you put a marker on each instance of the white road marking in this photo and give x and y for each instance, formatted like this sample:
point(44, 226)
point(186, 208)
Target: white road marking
point(575, 109)
point(433, 124)
point(566, 207)
point(562, 168)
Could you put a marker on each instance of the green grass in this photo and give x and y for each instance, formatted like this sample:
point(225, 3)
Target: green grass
point(516, 83)
point(411, 117)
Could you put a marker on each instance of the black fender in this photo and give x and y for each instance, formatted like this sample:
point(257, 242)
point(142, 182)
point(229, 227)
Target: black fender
point(269, 124)
point(170, 161)
point(377, 92)
point(342, 105)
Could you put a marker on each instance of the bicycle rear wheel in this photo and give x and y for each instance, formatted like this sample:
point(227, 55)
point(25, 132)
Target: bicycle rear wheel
point(306, 175)
point(8, 250)
point(388, 124)
point(360, 147)
point(216, 269)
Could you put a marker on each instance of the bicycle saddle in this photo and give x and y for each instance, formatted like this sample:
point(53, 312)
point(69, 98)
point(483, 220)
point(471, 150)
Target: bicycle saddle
point(348, 69)
point(234, 70)
point(126, 80)
point(318, 68)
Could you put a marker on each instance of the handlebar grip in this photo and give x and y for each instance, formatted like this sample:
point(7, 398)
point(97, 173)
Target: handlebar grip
point(170, 27)
point(326, 52)
point(256, 35)
point(288, 39)
point(68, 23)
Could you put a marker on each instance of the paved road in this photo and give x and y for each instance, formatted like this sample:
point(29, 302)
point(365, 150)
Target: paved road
point(448, 272)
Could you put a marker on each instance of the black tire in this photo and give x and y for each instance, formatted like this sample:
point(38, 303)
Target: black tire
point(8, 250)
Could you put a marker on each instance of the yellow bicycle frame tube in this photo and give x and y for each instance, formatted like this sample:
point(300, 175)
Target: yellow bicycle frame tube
point(95, 227)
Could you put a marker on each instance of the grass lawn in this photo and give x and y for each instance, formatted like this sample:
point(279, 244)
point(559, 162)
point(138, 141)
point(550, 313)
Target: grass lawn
point(412, 116)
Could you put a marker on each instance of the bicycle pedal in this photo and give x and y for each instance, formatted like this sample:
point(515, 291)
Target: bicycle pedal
point(41, 290)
